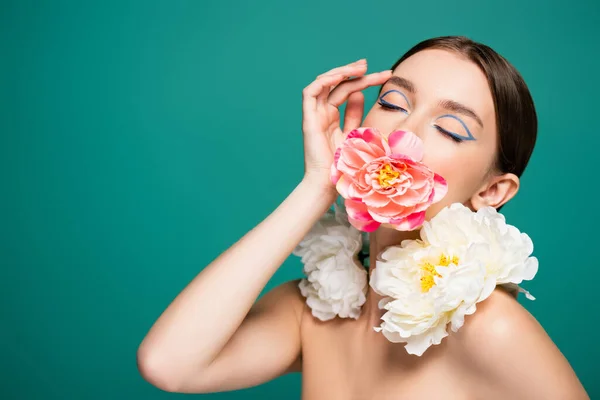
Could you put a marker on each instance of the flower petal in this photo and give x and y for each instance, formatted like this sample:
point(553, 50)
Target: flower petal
point(342, 186)
point(374, 138)
point(375, 199)
point(334, 173)
point(409, 223)
point(440, 188)
point(359, 217)
point(407, 143)
point(418, 344)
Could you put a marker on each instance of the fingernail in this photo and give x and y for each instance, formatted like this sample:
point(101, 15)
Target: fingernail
point(362, 61)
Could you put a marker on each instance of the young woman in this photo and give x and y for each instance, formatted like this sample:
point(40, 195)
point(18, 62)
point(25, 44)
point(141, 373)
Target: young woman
point(478, 124)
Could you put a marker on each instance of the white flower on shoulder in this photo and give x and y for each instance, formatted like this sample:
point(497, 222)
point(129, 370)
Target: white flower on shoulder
point(438, 280)
point(425, 289)
point(336, 282)
point(507, 255)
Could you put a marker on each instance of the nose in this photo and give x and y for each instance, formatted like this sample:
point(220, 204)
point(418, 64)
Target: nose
point(409, 125)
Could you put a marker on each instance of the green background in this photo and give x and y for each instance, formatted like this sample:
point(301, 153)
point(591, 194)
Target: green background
point(123, 121)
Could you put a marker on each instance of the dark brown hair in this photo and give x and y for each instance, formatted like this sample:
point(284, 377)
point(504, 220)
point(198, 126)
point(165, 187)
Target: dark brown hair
point(516, 119)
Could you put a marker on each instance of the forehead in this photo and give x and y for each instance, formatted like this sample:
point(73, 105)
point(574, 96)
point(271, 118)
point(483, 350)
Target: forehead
point(444, 75)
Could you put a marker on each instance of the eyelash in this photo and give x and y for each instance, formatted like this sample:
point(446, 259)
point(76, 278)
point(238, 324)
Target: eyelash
point(388, 106)
point(450, 135)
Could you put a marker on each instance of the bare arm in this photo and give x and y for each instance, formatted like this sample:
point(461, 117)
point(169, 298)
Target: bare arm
point(208, 340)
point(180, 353)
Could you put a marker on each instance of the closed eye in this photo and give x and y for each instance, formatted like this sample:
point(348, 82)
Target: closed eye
point(389, 106)
point(455, 136)
point(451, 135)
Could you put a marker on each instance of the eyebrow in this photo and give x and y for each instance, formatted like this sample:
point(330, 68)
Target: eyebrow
point(456, 107)
point(449, 105)
point(402, 83)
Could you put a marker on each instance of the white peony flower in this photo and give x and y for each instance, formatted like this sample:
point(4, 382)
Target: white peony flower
point(426, 288)
point(507, 255)
point(336, 282)
point(438, 280)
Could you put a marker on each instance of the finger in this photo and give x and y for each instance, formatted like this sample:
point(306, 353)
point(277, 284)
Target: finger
point(360, 64)
point(354, 111)
point(310, 93)
point(341, 93)
point(322, 98)
point(348, 71)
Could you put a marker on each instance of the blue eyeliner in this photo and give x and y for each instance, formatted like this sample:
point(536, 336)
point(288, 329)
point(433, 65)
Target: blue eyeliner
point(392, 106)
point(462, 123)
point(397, 91)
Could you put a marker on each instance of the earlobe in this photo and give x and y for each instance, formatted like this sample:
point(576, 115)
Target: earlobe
point(497, 192)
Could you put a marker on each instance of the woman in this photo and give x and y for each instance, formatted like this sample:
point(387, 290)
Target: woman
point(477, 121)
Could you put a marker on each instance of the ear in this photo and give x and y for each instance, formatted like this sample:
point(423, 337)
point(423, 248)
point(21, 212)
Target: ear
point(497, 191)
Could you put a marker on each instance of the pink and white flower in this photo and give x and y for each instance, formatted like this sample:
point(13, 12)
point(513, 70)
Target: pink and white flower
point(384, 181)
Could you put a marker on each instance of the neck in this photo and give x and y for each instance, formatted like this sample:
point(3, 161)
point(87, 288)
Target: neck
point(382, 238)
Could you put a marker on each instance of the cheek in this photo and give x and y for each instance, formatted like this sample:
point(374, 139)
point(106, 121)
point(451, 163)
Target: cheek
point(381, 120)
point(463, 169)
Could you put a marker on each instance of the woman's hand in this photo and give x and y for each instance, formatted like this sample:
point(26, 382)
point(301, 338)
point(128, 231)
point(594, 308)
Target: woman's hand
point(321, 116)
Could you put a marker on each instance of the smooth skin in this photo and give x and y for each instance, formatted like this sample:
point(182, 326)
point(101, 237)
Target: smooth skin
point(216, 336)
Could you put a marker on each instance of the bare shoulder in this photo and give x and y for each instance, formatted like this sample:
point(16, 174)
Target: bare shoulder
point(501, 318)
point(284, 298)
point(511, 350)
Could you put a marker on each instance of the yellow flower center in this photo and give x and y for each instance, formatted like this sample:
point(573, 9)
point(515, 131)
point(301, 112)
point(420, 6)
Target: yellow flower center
point(386, 175)
point(428, 271)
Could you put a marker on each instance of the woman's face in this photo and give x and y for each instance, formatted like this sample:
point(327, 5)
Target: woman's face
point(446, 101)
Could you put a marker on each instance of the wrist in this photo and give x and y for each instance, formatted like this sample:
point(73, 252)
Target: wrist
point(321, 185)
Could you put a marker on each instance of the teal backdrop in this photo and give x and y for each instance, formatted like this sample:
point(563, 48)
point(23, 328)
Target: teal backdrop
point(140, 139)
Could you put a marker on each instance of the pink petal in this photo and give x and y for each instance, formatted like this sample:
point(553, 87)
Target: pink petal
point(357, 210)
point(369, 134)
point(409, 223)
point(359, 217)
point(355, 154)
point(426, 203)
point(334, 173)
point(380, 216)
point(355, 133)
point(367, 151)
point(375, 199)
point(409, 198)
point(363, 180)
point(440, 188)
point(344, 168)
point(342, 186)
point(357, 192)
point(371, 137)
point(336, 156)
point(365, 227)
point(403, 142)
point(355, 157)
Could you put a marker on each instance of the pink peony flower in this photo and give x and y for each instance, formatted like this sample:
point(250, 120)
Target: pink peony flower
point(384, 181)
